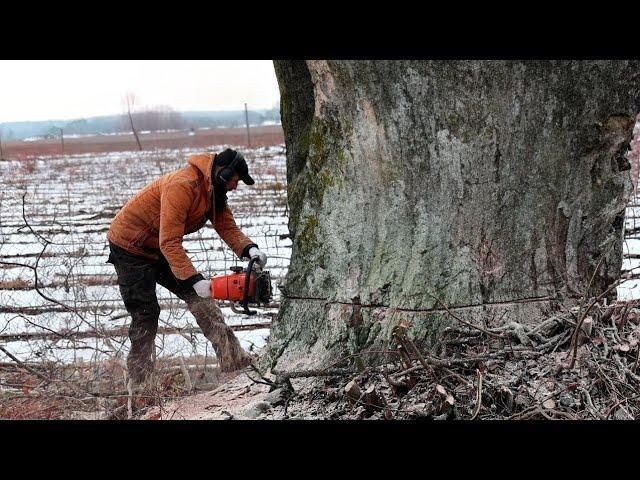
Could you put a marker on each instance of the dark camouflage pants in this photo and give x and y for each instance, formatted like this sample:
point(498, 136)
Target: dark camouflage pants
point(137, 279)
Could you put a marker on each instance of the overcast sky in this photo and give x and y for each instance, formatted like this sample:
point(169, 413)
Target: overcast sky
point(66, 89)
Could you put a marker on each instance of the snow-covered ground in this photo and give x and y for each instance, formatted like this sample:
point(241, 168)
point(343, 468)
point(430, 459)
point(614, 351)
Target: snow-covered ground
point(69, 202)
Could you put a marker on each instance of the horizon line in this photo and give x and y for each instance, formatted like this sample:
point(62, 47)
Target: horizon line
point(140, 111)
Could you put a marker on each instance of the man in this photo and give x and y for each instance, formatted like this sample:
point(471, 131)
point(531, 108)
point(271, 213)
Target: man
point(145, 239)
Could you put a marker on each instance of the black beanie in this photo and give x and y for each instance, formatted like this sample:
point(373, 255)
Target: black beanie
point(226, 158)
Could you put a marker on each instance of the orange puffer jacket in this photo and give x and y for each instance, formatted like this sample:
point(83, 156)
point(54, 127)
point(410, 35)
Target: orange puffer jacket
point(164, 211)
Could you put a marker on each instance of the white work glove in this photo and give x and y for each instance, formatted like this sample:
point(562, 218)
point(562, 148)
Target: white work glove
point(203, 288)
point(262, 257)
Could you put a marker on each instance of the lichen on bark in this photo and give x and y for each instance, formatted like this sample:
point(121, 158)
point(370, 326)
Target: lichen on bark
point(492, 187)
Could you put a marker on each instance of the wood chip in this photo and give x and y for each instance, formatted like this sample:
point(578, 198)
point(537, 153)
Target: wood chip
point(352, 390)
point(372, 399)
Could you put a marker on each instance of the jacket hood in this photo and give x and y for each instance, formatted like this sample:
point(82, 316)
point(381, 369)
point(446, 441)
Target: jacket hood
point(203, 162)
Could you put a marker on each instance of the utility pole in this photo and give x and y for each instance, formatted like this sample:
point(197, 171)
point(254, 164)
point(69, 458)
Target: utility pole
point(1, 154)
point(246, 116)
point(62, 140)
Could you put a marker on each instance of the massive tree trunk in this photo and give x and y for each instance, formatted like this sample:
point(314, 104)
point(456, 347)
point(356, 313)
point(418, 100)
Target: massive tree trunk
point(495, 189)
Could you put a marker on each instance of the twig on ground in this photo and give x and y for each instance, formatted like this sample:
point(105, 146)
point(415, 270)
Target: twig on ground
point(23, 365)
point(478, 397)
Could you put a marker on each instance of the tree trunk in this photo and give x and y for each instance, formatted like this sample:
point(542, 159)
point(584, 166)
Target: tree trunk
point(491, 188)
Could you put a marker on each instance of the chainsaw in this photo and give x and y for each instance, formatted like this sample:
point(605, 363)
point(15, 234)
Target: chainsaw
point(251, 285)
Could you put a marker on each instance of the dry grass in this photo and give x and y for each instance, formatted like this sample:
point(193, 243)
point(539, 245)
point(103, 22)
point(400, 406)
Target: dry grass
point(98, 388)
point(17, 407)
point(94, 280)
point(260, 137)
point(80, 252)
point(275, 186)
point(17, 284)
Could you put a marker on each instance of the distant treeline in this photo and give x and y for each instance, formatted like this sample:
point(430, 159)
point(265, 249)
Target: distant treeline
point(154, 119)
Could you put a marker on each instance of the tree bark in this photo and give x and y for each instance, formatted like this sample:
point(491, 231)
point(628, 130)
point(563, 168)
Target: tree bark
point(494, 188)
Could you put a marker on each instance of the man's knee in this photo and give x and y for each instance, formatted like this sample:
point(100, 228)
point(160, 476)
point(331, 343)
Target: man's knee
point(144, 323)
point(209, 318)
point(144, 333)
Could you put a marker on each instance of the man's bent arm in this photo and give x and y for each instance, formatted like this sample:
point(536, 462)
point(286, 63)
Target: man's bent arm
point(229, 232)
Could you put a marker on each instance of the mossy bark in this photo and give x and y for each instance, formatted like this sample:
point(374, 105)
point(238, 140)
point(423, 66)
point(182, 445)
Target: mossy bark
point(492, 187)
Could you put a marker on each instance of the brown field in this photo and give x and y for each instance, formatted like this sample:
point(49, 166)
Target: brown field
point(260, 137)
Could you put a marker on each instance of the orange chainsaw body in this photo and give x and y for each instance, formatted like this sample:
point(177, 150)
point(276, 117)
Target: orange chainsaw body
point(231, 287)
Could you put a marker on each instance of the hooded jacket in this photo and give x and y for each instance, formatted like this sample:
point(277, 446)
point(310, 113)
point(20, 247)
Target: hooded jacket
point(178, 203)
